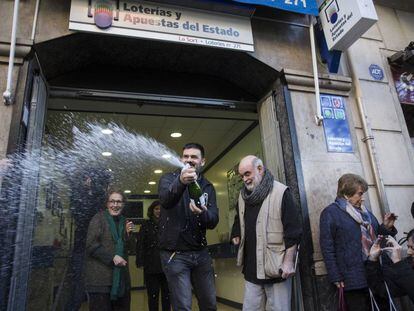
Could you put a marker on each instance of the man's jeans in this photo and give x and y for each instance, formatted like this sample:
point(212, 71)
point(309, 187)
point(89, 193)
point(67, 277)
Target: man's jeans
point(269, 297)
point(184, 269)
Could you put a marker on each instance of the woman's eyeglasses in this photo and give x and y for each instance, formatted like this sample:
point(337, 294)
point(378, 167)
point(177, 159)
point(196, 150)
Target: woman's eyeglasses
point(116, 202)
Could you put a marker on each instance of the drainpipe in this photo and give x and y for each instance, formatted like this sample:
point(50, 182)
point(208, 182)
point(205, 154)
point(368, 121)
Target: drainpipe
point(318, 116)
point(35, 20)
point(369, 141)
point(7, 95)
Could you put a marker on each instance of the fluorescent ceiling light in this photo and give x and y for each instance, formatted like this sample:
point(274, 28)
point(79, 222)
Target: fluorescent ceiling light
point(147, 191)
point(107, 131)
point(152, 183)
point(176, 135)
point(106, 153)
point(158, 171)
point(127, 191)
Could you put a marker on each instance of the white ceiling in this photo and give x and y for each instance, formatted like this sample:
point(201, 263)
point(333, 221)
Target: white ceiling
point(216, 131)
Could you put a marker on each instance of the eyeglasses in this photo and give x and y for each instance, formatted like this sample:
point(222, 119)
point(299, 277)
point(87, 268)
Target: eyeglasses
point(116, 202)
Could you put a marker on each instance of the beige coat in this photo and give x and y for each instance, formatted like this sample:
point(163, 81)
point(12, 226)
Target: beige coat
point(270, 246)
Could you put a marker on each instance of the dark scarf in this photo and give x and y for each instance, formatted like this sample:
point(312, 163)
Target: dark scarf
point(117, 289)
point(260, 193)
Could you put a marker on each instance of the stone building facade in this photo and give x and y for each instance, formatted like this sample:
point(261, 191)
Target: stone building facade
point(281, 66)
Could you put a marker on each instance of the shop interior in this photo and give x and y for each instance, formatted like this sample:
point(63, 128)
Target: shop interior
point(151, 88)
point(227, 136)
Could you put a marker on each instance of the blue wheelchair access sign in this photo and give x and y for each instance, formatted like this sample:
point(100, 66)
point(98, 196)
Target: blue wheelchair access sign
point(299, 6)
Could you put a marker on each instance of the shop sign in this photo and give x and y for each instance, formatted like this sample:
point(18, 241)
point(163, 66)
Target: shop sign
point(299, 6)
point(335, 124)
point(376, 72)
point(345, 21)
point(404, 85)
point(149, 20)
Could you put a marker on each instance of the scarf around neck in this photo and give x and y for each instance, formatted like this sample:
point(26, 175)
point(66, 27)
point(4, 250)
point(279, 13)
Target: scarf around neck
point(260, 193)
point(363, 218)
point(117, 232)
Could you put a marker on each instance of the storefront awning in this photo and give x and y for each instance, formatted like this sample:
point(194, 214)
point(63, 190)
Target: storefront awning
point(299, 6)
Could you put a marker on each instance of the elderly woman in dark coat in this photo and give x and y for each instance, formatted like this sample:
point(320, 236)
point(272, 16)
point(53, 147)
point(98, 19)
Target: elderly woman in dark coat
point(148, 256)
point(107, 275)
point(347, 232)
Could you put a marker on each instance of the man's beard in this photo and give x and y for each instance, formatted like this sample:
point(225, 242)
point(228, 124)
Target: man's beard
point(256, 182)
point(250, 187)
point(199, 170)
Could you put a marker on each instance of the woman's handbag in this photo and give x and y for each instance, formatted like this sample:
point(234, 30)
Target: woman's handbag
point(341, 299)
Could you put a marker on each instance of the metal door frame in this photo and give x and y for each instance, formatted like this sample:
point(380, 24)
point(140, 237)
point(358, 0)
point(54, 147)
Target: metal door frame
point(27, 202)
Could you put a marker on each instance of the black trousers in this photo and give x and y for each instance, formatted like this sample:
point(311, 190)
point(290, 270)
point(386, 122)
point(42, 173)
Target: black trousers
point(154, 283)
point(357, 300)
point(103, 302)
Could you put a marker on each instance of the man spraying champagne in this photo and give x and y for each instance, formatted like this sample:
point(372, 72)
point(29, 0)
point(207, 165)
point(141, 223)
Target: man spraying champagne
point(188, 209)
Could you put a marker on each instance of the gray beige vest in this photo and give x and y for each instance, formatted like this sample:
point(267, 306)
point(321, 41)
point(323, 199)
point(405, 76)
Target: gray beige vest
point(270, 246)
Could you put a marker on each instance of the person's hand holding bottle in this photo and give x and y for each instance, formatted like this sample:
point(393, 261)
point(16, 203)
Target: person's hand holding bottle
point(188, 174)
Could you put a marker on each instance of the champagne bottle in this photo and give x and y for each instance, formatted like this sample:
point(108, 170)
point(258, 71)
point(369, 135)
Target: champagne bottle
point(194, 189)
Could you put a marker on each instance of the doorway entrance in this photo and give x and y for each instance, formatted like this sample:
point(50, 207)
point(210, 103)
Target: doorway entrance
point(226, 136)
point(221, 99)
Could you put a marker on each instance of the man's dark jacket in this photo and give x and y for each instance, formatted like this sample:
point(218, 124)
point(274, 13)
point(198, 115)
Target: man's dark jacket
point(340, 241)
point(177, 220)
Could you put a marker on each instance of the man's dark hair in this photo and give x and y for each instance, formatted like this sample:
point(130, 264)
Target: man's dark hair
point(195, 146)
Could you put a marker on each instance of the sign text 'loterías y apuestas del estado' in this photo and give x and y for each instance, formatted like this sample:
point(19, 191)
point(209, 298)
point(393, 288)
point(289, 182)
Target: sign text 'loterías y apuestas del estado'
point(159, 22)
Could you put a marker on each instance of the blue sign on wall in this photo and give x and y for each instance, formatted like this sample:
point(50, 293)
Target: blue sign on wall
point(376, 72)
point(335, 124)
point(299, 6)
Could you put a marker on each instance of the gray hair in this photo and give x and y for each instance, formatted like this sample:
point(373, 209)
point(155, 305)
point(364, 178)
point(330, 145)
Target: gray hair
point(348, 185)
point(257, 162)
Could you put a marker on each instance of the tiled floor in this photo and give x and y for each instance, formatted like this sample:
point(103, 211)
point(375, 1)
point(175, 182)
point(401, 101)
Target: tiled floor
point(139, 303)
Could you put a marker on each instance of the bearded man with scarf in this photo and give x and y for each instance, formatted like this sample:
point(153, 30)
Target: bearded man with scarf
point(268, 229)
point(347, 232)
